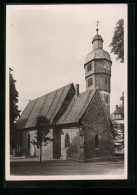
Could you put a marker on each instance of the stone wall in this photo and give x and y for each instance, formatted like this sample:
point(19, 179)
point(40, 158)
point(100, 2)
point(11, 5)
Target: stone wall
point(57, 143)
point(95, 122)
point(47, 151)
point(72, 151)
point(102, 66)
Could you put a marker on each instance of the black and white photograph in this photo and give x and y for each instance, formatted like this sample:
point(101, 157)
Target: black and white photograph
point(66, 92)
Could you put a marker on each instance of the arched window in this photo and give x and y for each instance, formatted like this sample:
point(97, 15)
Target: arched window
point(67, 141)
point(96, 141)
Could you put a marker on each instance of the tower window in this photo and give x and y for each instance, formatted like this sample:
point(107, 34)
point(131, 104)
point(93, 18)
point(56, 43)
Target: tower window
point(107, 81)
point(90, 82)
point(89, 67)
point(107, 99)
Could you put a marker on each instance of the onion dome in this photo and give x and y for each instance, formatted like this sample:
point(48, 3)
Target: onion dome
point(97, 37)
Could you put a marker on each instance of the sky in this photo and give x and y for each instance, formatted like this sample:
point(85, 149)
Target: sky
point(47, 45)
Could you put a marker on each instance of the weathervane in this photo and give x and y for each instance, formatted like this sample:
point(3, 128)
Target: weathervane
point(97, 27)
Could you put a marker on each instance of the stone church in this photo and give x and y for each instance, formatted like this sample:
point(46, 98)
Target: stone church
point(79, 122)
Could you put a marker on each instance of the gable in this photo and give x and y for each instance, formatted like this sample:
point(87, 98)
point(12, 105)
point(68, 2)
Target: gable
point(48, 105)
point(76, 108)
point(96, 115)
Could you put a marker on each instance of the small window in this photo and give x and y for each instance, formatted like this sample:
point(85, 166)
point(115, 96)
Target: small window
point(117, 116)
point(89, 67)
point(29, 141)
point(96, 141)
point(67, 141)
point(90, 82)
point(107, 81)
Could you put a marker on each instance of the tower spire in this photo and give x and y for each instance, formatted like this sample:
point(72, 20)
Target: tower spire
point(97, 27)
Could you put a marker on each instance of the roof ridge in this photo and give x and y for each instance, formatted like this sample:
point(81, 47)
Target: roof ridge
point(51, 92)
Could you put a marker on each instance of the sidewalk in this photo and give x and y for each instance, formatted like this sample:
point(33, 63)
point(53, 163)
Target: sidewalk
point(35, 161)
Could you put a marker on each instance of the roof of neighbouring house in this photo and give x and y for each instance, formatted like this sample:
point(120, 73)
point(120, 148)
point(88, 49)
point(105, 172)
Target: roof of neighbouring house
point(47, 105)
point(76, 108)
point(119, 110)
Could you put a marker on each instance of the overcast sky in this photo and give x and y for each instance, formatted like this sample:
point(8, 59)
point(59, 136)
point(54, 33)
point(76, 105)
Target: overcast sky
point(47, 46)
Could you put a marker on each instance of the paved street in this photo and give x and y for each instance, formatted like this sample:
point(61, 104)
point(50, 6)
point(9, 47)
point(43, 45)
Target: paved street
point(59, 167)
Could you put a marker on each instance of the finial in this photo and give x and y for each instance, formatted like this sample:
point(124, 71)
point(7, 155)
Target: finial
point(97, 27)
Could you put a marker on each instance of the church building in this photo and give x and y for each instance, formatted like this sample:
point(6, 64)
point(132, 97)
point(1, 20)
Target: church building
point(79, 122)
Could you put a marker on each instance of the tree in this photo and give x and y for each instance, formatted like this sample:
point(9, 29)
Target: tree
point(42, 135)
point(117, 43)
point(14, 112)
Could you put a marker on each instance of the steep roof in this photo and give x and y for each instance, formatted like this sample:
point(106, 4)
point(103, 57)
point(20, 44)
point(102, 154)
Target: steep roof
point(119, 110)
point(76, 108)
point(47, 105)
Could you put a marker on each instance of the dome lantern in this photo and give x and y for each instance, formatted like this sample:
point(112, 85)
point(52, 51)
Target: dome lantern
point(97, 40)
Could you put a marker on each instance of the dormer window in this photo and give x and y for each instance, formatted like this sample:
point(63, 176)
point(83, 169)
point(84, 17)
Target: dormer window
point(89, 67)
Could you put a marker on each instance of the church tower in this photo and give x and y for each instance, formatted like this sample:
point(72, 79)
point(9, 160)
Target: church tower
point(98, 70)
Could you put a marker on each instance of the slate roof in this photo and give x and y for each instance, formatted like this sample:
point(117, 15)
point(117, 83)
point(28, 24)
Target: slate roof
point(98, 54)
point(47, 105)
point(76, 108)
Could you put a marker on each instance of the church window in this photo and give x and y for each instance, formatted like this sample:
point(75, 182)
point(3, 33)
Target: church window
point(90, 82)
point(29, 141)
point(67, 141)
point(96, 141)
point(89, 67)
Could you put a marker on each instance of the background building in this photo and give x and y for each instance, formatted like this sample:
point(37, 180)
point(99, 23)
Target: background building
point(117, 118)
